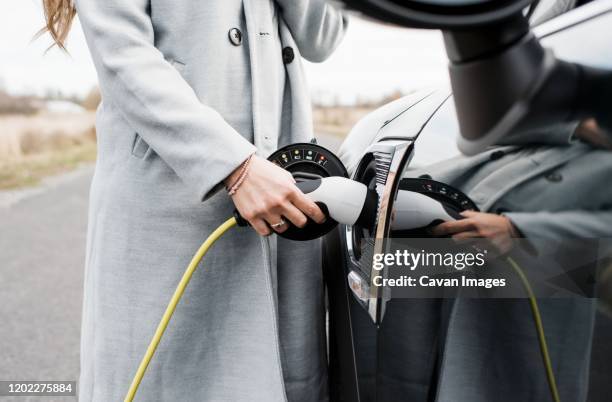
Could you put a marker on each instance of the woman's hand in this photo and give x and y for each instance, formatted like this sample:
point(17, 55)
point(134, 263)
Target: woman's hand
point(498, 229)
point(268, 195)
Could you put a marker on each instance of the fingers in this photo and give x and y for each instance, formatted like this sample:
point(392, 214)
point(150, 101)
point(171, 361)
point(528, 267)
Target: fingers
point(470, 234)
point(294, 215)
point(273, 221)
point(452, 227)
point(260, 226)
point(469, 213)
point(287, 212)
point(264, 217)
point(307, 206)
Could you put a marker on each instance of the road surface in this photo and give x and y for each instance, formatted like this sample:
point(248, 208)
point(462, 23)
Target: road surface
point(42, 243)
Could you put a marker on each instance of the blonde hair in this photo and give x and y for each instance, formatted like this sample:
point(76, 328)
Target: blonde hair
point(59, 15)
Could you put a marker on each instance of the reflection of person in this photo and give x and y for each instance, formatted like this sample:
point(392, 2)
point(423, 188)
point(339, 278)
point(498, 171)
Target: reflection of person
point(578, 221)
point(191, 90)
point(488, 349)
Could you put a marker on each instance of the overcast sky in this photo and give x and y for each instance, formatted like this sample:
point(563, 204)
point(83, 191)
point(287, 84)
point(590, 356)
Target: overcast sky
point(374, 59)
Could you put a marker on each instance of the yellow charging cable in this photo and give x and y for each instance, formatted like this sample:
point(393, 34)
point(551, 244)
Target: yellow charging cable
point(228, 224)
point(537, 318)
point(176, 297)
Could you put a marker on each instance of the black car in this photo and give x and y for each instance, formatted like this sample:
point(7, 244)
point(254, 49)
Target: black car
point(414, 131)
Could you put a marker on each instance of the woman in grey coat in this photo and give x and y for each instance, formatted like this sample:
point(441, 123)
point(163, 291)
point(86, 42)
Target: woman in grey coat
point(192, 90)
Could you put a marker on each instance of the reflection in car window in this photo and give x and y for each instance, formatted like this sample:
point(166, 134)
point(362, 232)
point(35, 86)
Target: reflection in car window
point(438, 140)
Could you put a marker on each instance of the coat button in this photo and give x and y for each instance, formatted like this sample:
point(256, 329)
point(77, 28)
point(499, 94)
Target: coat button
point(497, 155)
point(235, 36)
point(288, 55)
point(555, 177)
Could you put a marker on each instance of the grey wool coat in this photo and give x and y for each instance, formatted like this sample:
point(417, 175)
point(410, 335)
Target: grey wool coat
point(488, 349)
point(190, 89)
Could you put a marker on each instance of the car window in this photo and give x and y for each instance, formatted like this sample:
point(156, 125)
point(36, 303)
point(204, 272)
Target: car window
point(437, 141)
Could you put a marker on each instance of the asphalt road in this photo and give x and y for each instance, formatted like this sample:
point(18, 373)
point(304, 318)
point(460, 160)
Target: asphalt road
point(42, 244)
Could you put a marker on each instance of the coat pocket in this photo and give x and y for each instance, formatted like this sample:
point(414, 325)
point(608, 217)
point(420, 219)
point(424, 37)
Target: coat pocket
point(139, 147)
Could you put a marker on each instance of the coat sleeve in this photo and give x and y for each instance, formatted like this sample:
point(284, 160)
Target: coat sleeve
point(316, 26)
point(563, 225)
point(154, 99)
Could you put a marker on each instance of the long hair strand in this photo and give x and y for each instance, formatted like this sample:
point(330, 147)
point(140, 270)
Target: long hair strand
point(59, 15)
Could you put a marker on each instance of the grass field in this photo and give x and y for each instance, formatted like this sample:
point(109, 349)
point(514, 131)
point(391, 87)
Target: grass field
point(34, 147)
point(30, 169)
point(338, 120)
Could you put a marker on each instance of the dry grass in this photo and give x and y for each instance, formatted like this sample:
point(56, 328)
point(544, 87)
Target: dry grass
point(33, 147)
point(23, 105)
point(33, 143)
point(338, 120)
point(22, 135)
point(29, 170)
